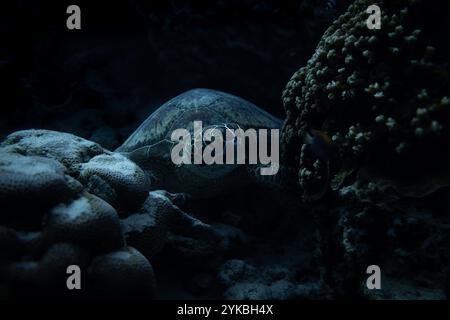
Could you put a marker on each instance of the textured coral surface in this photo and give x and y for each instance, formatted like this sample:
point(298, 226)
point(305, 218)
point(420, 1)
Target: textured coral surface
point(382, 97)
point(54, 215)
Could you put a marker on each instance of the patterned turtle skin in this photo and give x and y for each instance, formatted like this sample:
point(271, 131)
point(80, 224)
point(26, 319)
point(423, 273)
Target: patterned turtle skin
point(150, 145)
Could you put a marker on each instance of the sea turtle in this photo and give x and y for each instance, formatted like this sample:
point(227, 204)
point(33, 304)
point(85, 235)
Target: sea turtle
point(150, 145)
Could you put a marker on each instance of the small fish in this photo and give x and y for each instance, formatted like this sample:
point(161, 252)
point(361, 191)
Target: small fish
point(321, 144)
point(324, 148)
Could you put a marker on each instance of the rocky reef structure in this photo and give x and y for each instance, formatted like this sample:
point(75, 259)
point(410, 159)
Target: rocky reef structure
point(67, 201)
point(245, 280)
point(59, 195)
point(383, 98)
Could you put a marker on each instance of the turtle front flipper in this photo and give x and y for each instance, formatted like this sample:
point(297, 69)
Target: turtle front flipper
point(159, 151)
point(154, 160)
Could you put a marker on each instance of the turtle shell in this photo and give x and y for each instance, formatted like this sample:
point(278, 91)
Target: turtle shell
point(210, 106)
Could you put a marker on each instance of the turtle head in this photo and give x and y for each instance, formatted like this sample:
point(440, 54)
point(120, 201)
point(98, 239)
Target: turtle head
point(195, 179)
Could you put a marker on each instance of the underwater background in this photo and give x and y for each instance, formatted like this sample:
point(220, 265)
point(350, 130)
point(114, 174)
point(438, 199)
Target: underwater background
point(379, 99)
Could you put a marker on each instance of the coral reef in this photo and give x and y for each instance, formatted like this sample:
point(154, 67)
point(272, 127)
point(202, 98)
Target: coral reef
point(54, 217)
point(87, 221)
point(69, 201)
point(147, 229)
point(46, 275)
point(116, 172)
point(123, 273)
point(382, 96)
point(381, 107)
point(246, 282)
point(366, 135)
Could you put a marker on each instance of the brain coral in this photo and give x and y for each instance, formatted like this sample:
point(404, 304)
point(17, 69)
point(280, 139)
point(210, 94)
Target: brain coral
point(66, 148)
point(114, 171)
point(24, 177)
point(147, 229)
point(87, 221)
point(49, 272)
point(31, 179)
point(382, 96)
point(123, 273)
